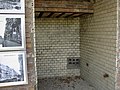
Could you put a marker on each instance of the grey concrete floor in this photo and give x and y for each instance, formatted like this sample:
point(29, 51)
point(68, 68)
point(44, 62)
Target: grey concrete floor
point(63, 83)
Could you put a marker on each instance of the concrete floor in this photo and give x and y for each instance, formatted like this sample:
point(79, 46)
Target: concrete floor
point(62, 83)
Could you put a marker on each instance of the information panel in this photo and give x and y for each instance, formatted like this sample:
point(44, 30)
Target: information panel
point(12, 32)
point(13, 69)
point(12, 6)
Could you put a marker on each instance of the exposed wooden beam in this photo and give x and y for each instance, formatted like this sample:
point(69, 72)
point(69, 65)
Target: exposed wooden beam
point(60, 15)
point(50, 14)
point(55, 15)
point(63, 6)
point(46, 14)
point(40, 15)
point(64, 10)
point(77, 15)
point(66, 15)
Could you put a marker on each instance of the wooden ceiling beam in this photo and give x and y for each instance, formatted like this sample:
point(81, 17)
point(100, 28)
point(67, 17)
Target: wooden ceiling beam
point(77, 15)
point(66, 15)
point(60, 15)
point(55, 15)
point(72, 10)
point(64, 6)
point(50, 14)
point(40, 15)
point(45, 14)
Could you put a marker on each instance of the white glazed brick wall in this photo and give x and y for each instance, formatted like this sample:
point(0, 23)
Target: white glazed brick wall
point(98, 45)
point(118, 48)
point(56, 39)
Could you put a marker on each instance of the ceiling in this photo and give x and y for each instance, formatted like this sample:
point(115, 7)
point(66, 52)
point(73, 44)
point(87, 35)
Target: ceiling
point(57, 15)
point(62, 8)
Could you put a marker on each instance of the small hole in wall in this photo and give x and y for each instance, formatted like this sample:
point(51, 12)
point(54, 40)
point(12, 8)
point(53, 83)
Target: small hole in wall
point(70, 63)
point(106, 75)
point(77, 59)
point(32, 4)
point(69, 59)
point(87, 64)
point(77, 62)
point(73, 59)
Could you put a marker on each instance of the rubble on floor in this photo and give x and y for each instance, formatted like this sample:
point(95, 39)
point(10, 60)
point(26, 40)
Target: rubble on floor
point(63, 83)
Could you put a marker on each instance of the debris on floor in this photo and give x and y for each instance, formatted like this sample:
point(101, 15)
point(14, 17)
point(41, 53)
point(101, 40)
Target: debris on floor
point(63, 83)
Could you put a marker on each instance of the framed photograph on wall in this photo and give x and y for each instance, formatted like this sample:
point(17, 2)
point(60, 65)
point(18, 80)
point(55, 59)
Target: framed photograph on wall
point(13, 68)
point(12, 6)
point(12, 32)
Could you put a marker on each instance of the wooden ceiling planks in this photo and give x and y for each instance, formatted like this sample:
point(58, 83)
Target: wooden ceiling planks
point(62, 8)
point(57, 15)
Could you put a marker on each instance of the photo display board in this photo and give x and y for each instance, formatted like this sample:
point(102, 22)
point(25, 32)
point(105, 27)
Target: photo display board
point(13, 68)
point(12, 32)
point(12, 6)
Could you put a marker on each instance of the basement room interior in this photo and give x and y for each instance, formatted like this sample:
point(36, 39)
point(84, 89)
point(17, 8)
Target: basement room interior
point(75, 44)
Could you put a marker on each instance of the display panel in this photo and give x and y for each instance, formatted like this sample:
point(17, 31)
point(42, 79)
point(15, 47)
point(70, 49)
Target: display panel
point(12, 6)
point(12, 32)
point(13, 68)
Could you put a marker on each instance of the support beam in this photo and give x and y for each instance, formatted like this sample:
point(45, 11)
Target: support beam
point(64, 10)
point(46, 14)
point(77, 15)
point(64, 6)
point(40, 15)
point(50, 15)
point(60, 15)
point(67, 15)
point(55, 15)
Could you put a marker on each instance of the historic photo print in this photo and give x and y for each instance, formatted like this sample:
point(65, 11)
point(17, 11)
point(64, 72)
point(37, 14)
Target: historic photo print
point(12, 68)
point(11, 6)
point(12, 32)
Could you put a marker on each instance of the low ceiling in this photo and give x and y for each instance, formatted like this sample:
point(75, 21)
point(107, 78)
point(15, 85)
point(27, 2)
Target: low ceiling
point(57, 15)
point(62, 8)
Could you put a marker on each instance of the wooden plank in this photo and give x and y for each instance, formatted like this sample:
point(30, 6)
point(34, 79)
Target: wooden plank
point(45, 14)
point(60, 15)
point(77, 15)
point(64, 6)
point(64, 10)
point(50, 14)
point(66, 15)
point(55, 15)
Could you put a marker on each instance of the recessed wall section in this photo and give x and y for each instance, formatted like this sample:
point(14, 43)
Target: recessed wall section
point(56, 40)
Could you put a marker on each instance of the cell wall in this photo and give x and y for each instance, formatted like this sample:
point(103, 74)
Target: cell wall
point(98, 45)
point(56, 40)
point(118, 47)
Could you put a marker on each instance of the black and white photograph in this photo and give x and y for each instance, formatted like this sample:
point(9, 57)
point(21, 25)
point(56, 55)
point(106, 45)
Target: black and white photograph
point(12, 32)
point(13, 68)
point(12, 6)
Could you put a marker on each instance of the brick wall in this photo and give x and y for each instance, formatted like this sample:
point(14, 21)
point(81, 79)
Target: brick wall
point(118, 47)
point(56, 40)
point(98, 45)
point(30, 54)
